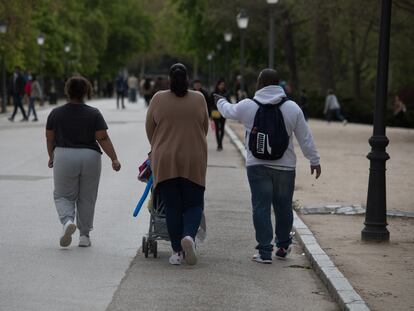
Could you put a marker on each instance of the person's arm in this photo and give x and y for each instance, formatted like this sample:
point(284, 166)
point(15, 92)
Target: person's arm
point(228, 110)
point(106, 144)
point(50, 143)
point(325, 110)
point(149, 122)
point(306, 143)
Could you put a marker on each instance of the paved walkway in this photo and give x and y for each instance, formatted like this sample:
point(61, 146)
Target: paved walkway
point(225, 278)
point(35, 274)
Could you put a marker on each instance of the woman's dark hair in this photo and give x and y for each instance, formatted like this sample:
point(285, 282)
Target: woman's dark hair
point(34, 77)
point(178, 80)
point(216, 89)
point(78, 88)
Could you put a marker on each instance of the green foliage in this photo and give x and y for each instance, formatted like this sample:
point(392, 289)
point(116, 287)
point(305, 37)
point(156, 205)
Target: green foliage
point(103, 34)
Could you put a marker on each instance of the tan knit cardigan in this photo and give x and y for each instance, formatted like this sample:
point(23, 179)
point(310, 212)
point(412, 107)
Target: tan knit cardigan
point(177, 128)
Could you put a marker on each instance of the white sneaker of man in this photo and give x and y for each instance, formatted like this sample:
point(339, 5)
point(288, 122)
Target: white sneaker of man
point(176, 258)
point(188, 245)
point(84, 241)
point(69, 228)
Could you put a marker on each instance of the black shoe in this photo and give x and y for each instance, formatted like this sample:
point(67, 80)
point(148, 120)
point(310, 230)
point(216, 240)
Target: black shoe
point(219, 148)
point(24, 120)
point(35, 120)
point(10, 119)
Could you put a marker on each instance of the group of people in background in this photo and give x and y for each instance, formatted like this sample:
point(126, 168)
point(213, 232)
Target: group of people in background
point(24, 87)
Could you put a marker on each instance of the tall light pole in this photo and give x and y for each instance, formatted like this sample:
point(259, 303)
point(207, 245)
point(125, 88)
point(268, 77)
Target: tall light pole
point(3, 31)
point(242, 23)
point(376, 214)
point(272, 33)
point(209, 58)
point(67, 49)
point(228, 36)
point(41, 42)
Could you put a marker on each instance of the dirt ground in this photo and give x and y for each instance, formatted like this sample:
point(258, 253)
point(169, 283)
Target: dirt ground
point(382, 273)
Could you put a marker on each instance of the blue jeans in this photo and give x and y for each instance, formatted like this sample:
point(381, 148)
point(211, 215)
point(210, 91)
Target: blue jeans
point(270, 186)
point(184, 204)
point(32, 107)
point(334, 114)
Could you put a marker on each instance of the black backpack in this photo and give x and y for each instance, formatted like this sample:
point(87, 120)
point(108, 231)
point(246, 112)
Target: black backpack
point(268, 138)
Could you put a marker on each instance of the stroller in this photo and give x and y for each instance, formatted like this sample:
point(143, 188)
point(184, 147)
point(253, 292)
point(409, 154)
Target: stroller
point(158, 225)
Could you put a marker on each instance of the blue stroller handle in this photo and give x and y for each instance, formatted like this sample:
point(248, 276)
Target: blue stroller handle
point(144, 196)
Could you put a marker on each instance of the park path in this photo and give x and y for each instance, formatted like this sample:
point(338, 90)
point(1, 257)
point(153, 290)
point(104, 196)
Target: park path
point(35, 274)
point(225, 278)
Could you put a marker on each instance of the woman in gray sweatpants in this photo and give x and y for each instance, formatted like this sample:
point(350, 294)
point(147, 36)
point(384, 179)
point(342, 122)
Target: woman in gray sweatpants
point(75, 134)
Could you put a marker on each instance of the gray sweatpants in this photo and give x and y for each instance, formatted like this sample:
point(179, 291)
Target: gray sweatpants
point(76, 174)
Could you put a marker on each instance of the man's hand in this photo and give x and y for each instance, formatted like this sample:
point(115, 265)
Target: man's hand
point(116, 165)
point(318, 170)
point(217, 97)
point(50, 163)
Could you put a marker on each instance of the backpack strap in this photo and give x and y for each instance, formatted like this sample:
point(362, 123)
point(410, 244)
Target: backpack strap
point(284, 100)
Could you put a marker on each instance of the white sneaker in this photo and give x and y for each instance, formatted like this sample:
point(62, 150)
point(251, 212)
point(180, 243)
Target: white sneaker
point(69, 228)
point(176, 258)
point(344, 122)
point(84, 241)
point(259, 259)
point(188, 245)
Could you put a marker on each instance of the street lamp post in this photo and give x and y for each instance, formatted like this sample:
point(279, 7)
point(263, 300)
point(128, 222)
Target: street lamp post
point(242, 23)
point(41, 42)
point(228, 36)
point(67, 49)
point(3, 31)
point(376, 213)
point(209, 58)
point(272, 33)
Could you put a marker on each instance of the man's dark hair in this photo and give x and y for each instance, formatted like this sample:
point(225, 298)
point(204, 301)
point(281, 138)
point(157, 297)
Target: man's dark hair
point(196, 81)
point(78, 88)
point(179, 80)
point(267, 77)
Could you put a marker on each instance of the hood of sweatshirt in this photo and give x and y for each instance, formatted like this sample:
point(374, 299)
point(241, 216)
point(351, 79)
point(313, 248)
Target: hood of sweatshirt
point(270, 95)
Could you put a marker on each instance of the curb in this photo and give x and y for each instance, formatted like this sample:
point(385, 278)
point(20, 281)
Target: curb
point(338, 285)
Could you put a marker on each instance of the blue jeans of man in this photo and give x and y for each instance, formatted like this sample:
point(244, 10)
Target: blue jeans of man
point(269, 187)
point(184, 204)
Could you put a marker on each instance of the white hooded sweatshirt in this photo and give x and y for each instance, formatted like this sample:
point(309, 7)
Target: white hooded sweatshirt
point(295, 123)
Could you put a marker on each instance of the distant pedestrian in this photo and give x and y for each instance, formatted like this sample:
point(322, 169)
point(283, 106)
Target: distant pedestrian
point(35, 94)
point(132, 88)
point(272, 182)
point(109, 89)
point(177, 125)
point(333, 109)
point(17, 88)
point(303, 103)
point(197, 86)
point(219, 120)
point(147, 90)
point(241, 93)
point(74, 133)
point(399, 112)
point(121, 88)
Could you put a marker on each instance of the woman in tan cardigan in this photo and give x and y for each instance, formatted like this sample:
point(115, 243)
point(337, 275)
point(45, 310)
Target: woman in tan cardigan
point(177, 124)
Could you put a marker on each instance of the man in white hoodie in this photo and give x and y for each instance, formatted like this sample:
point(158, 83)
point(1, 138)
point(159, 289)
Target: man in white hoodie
point(273, 181)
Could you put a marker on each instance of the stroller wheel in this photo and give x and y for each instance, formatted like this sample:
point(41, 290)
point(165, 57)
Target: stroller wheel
point(154, 249)
point(147, 248)
point(144, 244)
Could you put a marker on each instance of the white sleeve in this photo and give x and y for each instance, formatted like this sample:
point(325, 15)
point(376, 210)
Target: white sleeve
point(228, 110)
point(305, 140)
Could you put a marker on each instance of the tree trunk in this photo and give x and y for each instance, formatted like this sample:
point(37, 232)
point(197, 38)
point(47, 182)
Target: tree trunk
point(356, 67)
point(290, 50)
point(323, 53)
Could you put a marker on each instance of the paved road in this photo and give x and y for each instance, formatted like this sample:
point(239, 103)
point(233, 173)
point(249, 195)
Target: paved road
point(225, 278)
point(35, 274)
